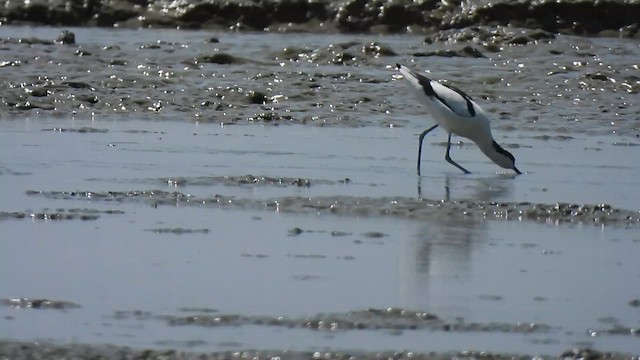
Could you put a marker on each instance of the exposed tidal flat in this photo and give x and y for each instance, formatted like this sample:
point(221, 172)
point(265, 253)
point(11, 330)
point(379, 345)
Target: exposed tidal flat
point(215, 194)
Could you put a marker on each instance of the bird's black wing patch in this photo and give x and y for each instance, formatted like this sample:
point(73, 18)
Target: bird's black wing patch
point(428, 90)
point(470, 108)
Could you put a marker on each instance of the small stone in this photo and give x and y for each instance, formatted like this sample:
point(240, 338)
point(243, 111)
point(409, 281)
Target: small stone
point(66, 37)
point(295, 231)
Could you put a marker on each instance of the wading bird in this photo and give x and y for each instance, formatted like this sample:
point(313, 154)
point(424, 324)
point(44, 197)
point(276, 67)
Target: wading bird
point(456, 113)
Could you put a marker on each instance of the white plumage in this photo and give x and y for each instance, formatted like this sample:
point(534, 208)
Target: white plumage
point(456, 113)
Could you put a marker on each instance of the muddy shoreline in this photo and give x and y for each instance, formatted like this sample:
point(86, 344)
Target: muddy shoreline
point(40, 350)
point(398, 16)
point(318, 80)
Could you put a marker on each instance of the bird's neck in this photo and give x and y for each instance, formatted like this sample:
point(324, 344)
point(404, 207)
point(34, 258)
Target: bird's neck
point(484, 142)
point(487, 148)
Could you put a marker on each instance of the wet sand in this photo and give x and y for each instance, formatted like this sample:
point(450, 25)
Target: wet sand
point(270, 204)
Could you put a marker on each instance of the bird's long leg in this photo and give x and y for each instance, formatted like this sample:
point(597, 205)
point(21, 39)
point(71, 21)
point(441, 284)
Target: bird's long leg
point(448, 158)
point(424, 133)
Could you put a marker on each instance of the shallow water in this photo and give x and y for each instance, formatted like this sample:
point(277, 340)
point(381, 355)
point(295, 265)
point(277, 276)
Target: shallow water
point(563, 278)
point(147, 219)
point(159, 260)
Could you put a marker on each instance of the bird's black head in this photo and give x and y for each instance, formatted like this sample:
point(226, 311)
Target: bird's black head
point(506, 159)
